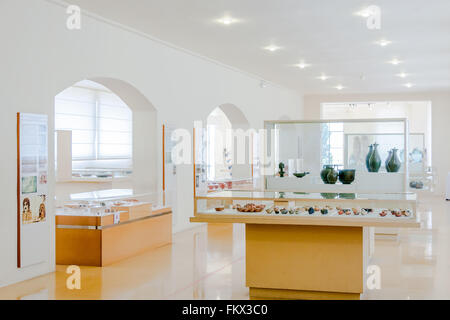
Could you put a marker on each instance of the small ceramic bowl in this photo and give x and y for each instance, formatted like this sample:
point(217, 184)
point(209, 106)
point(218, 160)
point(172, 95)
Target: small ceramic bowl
point(347, 176)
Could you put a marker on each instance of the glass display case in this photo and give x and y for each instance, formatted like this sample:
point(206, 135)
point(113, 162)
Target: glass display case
point(102, 227)
point(399, 207)
point(357, 155)
point(110, 202)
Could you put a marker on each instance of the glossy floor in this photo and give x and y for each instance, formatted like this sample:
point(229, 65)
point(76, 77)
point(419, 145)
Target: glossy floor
point(208, 262)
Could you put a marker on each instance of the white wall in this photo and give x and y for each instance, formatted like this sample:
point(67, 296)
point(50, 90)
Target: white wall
point(40, 58)
point(440, 120)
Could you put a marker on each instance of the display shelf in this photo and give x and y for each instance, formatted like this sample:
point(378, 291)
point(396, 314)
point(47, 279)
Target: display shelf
point(292, 196)
point(365, 182)
point(298, 204)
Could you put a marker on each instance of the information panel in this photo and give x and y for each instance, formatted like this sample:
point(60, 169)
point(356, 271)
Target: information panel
point(32, 188)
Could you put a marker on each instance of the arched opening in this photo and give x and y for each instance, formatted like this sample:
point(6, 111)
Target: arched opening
point(229, 144)
point(105, 132)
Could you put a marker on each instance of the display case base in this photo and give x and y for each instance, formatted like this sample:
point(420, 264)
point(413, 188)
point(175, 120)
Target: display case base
point(281, 294)
point(306, 262)
point(101, 245)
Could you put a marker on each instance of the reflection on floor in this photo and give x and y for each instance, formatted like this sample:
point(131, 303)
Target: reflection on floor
point(208, 262)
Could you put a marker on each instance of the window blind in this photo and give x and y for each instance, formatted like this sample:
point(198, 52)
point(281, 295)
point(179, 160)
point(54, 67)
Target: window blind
point(101, 124)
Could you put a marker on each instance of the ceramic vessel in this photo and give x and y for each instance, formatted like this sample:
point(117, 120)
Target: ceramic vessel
point(394, 163)
point(368, 156)
point(324, 173)
point(374, 160)
point(332, 176)
point(387, 160)
point(347, 176)
point(301, 175)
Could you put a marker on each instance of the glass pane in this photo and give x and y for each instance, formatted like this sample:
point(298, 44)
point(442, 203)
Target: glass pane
point(115, 151)
point(336, 140)
point(336, 126)
point(83, 151)
point(337, 155)
point(115, 125)
point(111, 137)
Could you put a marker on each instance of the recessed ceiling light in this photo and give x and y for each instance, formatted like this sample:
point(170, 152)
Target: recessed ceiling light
point(302, 65)
point(272, 48)
point(395, 61)
point(402, 75)
point(323, 77)
point(383, 42)
point(339, 87)
point(227, 20)
point(408, 85)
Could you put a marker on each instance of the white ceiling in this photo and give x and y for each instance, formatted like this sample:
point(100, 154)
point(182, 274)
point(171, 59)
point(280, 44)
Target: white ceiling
point(323, 33)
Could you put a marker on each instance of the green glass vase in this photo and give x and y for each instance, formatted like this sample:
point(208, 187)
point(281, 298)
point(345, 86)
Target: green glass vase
point(374, 160)
point(394, 163)
point(368, 156)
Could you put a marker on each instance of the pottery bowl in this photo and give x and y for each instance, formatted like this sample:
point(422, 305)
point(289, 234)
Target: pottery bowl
point(347, 176)
point(301, 175)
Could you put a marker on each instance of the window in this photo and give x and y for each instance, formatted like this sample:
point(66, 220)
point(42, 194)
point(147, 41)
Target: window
point(101, 124)
point(333, 144)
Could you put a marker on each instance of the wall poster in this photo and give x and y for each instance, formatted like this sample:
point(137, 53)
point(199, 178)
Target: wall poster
point(32, 188)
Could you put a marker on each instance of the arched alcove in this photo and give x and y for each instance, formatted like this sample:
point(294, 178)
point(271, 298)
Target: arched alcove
point(143, 144)
point(223, 151)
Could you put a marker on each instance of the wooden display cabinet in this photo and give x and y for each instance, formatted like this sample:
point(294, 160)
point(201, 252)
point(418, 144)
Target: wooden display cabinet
point(301, 255)
point(103, 240)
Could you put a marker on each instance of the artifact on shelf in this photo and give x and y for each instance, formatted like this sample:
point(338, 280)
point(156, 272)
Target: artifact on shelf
point(347, 176)
point(332, 176)
point(374, 160)
point(325, 171)
point(387, 160)
point(383, 213)
point(220, 209)
point(369, 154)
point(281, 172)
point(416, 184)
point(250, 207)
point(394, 163)
point(301, 174)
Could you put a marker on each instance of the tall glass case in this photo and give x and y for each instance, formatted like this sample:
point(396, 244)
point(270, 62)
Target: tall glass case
point(341, 143)
point(363, 155)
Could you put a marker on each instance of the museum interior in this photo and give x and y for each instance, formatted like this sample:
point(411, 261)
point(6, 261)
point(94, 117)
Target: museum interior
point(225, 150)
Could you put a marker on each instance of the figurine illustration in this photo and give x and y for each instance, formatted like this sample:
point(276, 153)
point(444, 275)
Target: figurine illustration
point(27, 216)
point(42, 212)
